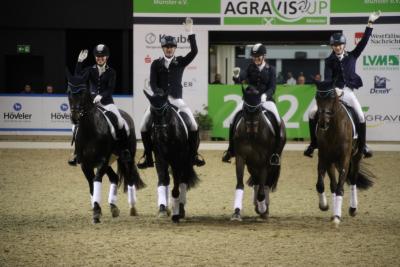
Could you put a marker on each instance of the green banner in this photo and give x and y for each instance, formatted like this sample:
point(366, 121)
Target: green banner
point(361, 6)
point(177, 6)
point(293, 103)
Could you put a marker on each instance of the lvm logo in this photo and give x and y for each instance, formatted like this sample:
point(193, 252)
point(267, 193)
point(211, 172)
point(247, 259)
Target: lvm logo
point(279, 11)
point(381, 62)
point(380, 86)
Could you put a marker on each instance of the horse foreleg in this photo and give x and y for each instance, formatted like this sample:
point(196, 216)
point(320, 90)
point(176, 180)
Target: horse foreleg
point(237, 206)
point(175, 201)
point(343, 168)
point(323, 204)
point(353, 173)
point(89, 174)
point(163, 188)
point(112, 195)
point(261, 196)
point(97, 182)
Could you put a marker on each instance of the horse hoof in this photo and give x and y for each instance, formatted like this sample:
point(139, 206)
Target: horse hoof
point(175, 218)
point(264, 216)
point(323, 208)
point(163, 212)
point(336, 221)
point(236, 216)
point(114, 210)
point(352, 211)
point(96, 220)
point(96, 213)
point(182, 212)
point(133, 212)
point(256, 209)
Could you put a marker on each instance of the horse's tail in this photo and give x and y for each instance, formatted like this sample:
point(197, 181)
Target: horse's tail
point(190, 175)
point(364, 177)
point(273, 176)
point(128, 171)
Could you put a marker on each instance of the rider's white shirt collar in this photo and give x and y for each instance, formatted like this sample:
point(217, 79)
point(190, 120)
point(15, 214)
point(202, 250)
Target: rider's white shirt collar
point(101, 69)
point(340, 56)
point(261, 66)
point(168, 61)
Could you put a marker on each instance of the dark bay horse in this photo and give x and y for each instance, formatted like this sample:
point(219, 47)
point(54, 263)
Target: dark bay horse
point(338, 151)
point(254, 142)
point(171, 149)
point(95, 147)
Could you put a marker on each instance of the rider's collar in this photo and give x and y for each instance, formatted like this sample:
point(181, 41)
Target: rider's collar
point(168, 61)
point(260, 67)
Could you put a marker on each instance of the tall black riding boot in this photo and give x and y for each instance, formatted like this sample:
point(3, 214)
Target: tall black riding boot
point(312, 124)
point(194, 142)
point(229, 153)
point(276, 155)
point(362, 132)
point(73, 158)
point(123, 145)
point(147, 153)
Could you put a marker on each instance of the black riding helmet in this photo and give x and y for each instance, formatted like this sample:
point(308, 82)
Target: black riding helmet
point(258, 50)
point(101, 50)
point(337, 38)
point(168, 41)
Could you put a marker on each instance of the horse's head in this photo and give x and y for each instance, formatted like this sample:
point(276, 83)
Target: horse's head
point(327, 102)
point(251, 108)
point(159, 108)
point(78, 95)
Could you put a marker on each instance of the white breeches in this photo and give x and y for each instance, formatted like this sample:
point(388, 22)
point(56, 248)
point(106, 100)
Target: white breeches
point(350, 99)
point(113, 108)
point(180, 104)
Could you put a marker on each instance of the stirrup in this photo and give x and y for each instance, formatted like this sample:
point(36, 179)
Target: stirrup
point(367, 152)
point(73, 161)
point(199, 160)
point(275, 160)
point(227, 156)
point(145, 164)
point(309, 151)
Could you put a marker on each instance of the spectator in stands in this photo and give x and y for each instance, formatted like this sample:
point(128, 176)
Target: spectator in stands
point(279, 78)
point(49, 89)
point(301, 80)
point(27, 89)
point(235, 78)
point(217, 79)
point(290, 80)
point(317, 77)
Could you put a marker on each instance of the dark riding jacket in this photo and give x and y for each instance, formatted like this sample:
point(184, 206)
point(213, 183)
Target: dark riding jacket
point(170, 80)
point(264, 80)
point(99, 85)
point(343, 72)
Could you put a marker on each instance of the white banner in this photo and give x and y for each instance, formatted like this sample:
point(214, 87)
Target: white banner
point(379, 69)
point(146, 48)
point(42, 115)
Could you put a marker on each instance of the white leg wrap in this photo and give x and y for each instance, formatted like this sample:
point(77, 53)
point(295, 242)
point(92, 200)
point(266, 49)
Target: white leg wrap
point(182, 193)
point(333, 203)
point(238, 199)
point(262, 207)
point(97, 192)
point(91, 201)
point(338, 206)
point(162, 195)
point(322, 199)
point(175, 206)
point(353, 196)
point(112, 195)
point(131, 196)
point(255, 192)
point(266, 191)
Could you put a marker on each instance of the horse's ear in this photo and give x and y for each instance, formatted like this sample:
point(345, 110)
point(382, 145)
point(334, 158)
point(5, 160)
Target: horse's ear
point(147, 94)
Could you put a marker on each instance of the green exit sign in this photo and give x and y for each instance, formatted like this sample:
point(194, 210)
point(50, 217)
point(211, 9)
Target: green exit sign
point(23, 49)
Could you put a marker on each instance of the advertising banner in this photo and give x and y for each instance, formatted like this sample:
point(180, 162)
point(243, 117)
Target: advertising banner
point(147, 48)
point(44, 115)
point(293, 103)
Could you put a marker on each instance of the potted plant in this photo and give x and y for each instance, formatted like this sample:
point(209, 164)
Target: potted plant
point(204, 122)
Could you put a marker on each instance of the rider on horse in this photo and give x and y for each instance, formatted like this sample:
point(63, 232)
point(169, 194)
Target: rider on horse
point(102, 83)
point(166, 74)
point(340, 69)
point(262, 76)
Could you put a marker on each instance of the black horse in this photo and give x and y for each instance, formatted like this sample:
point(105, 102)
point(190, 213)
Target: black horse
point(254, 142)
point(95, 147)
point(171, 149)
point(338, 151)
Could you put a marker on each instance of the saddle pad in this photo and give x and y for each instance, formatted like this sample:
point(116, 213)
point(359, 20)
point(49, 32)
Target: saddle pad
point(350, 114)
point(178, 113)
point(112, 121)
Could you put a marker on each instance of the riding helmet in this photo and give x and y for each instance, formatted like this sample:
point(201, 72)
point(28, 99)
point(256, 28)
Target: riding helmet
point(101, 50)
point(168, 41)
point(258, 50)
point(337, 38)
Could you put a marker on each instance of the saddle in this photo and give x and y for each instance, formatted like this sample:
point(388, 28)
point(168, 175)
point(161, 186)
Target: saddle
point(112, 122)
point(353, 118)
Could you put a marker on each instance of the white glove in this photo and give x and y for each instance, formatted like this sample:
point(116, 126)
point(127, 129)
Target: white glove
point(236, 72)
point(374, 16)
point(188, 25)
point(82, 55)
point(97, 99)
